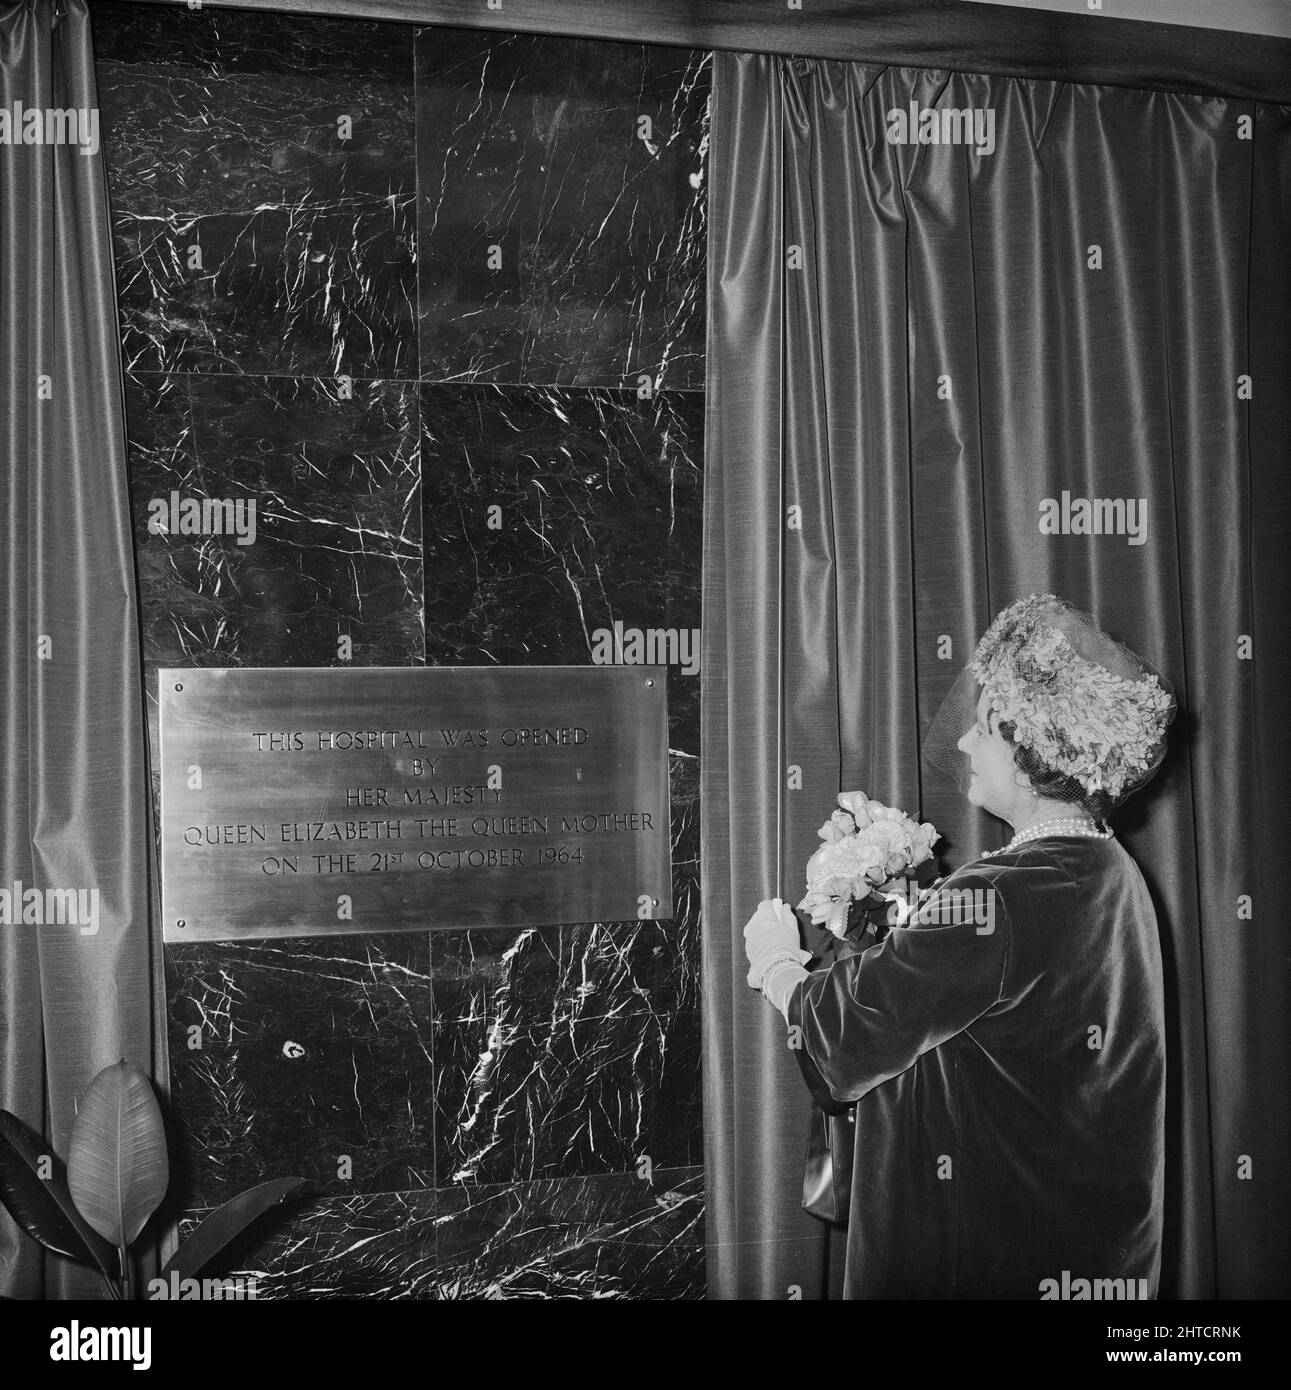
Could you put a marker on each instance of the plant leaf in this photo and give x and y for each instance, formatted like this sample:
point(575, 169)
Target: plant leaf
point(43, 1207)
point(226, 1223)
point(117, 1170)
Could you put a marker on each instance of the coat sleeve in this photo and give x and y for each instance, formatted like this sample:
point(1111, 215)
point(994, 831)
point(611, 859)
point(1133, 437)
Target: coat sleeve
point(871, 1016)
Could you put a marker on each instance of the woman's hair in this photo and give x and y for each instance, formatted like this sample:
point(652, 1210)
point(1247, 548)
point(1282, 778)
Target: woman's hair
point(1057, 786)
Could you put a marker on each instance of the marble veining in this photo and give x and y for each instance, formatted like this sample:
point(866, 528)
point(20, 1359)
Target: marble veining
point(263, 190)
point(562, 209)
point(616, 1236)
point(335, 477)
point(552, 514)
point(307, 1057)
point(460, 1058)
point(576, 1050)
point(451, 461)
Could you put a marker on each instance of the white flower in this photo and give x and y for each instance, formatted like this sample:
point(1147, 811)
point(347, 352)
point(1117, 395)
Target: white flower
point(924, 838)
point(856, 804)
point(836, 827)
point(867, 846)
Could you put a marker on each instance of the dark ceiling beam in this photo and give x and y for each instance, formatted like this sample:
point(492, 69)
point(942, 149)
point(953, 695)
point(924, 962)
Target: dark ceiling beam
point(951, 34)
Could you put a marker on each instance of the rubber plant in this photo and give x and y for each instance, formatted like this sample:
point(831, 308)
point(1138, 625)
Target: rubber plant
point(92, 1208)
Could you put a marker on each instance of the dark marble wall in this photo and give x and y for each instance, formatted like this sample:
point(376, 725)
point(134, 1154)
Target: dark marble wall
point(380, 279)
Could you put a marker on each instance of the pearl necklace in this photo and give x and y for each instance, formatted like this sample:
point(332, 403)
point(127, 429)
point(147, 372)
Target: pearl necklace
point(1065, 825)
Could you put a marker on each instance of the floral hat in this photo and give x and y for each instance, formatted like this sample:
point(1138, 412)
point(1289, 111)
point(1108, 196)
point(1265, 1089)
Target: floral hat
point(1083, 704)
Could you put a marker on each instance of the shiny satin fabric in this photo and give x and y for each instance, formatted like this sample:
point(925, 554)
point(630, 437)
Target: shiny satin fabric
point(73, 772)
point(1007, 1050)
point(911, 348)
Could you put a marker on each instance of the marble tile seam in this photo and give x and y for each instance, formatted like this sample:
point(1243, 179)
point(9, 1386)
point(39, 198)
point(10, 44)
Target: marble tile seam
point(380, 380)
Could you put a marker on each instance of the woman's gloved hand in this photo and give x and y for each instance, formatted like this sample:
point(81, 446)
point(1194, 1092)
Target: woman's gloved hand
point(771, 935)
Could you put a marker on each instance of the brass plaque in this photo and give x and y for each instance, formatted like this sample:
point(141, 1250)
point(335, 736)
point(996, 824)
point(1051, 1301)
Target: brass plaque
point(304, 801)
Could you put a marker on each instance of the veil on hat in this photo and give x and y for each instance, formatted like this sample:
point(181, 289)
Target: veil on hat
point(1090, 715)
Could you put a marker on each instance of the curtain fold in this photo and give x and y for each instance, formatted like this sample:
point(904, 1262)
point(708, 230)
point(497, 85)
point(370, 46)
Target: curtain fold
point(922, 348)
point(74, 995)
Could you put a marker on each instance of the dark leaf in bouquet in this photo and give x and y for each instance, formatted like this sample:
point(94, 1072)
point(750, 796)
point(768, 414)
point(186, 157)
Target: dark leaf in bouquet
point(925, 874)
point(874, 914)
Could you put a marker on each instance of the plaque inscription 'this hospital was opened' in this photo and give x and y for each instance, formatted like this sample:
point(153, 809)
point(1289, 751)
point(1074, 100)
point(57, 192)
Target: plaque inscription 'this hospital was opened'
point(300, 801)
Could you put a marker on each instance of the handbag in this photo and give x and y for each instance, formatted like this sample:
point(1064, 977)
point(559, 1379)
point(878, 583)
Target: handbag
point(827, 1173)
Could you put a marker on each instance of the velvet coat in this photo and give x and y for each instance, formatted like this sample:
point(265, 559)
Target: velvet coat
point(1006, 1050)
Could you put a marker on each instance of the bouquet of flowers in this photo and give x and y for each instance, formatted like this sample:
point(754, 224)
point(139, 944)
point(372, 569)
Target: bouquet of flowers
point(873, 856)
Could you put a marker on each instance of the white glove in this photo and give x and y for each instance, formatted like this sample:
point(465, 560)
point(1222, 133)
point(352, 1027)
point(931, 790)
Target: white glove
point(770, 937)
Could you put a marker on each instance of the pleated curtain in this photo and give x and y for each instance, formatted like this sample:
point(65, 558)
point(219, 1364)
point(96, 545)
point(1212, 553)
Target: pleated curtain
point(916, 352)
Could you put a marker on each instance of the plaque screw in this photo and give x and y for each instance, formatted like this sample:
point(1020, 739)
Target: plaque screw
point(180, 686)
point(649, 682)
point(181, 923)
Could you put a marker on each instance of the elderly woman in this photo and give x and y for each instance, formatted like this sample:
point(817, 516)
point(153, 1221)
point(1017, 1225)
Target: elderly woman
point(1005, 1047)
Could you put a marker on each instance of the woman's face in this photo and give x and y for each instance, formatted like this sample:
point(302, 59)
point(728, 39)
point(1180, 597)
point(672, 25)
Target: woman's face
point(994, 785)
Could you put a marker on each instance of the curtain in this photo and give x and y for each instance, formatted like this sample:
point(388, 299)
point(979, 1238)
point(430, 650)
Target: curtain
point(74, 996)
point(912, 348)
